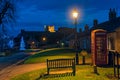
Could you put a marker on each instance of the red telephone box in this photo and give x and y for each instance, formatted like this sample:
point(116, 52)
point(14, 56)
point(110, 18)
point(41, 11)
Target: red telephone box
point(99, 47)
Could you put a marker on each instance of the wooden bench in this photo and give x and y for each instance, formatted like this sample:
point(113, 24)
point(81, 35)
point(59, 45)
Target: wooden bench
point(61, 63)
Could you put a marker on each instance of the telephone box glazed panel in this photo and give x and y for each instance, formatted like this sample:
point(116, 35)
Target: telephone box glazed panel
point(99, 47)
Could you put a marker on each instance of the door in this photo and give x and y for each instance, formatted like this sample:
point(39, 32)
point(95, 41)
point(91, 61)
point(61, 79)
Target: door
point(101, 49)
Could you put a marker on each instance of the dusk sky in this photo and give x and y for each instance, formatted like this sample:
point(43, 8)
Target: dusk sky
point(34, 14)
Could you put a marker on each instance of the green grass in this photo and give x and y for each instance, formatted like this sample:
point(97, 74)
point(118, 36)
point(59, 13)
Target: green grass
point(53, 53)
point(33, 75)
point(83, 72)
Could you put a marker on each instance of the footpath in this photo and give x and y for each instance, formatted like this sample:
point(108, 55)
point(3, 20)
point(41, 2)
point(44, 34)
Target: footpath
point(14, 70)
point(11, 66)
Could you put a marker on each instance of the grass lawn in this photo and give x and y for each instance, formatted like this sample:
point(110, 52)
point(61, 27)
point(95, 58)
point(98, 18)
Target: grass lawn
point(83, 72)
point(51, 54)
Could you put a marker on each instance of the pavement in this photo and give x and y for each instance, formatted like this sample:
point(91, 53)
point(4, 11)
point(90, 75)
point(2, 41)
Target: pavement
point(14, 70)
point(11, 66)
point(12, 59)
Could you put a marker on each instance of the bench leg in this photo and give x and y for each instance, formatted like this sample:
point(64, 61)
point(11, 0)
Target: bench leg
point(48, 70)
point(74, 69)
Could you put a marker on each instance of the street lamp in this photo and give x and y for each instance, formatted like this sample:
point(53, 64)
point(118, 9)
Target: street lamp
point(75, 16)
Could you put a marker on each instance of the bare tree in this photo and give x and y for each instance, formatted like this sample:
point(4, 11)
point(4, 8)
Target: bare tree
point(7, 12)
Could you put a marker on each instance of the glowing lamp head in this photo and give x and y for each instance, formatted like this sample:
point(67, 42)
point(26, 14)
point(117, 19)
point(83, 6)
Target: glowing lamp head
point(75, 13)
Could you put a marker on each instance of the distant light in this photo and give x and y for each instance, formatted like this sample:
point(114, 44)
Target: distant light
point(33, 42)
point(44, 38)
point(62, 44)
point(57, 42)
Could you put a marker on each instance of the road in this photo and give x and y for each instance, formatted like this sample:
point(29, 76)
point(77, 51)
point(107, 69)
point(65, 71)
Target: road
point(10, 60)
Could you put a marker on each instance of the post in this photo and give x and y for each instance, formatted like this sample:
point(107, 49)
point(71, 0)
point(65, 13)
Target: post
point(76, 42)
point(75, 16)
point(47, 67)
point(118, 64)
point(83, 59)
point(114, 64)
point(73, 67)
point(95, 69)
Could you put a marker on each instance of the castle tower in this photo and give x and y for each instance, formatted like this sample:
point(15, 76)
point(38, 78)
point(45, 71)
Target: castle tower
point(49, 28)
point(112, 14)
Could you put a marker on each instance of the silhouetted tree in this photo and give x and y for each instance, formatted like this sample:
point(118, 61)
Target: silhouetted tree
point(7, 11)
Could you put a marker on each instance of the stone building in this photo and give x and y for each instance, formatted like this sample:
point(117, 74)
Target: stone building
point(68, 35)
point(112, 26)
point(38, 39)
point(84, 38)
point(66, 31)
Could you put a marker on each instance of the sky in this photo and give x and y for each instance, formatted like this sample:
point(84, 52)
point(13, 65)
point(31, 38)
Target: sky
point(34, 14)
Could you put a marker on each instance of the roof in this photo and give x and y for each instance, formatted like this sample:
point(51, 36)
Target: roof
point(110, 26)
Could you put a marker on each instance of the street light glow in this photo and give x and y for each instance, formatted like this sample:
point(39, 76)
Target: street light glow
point(75, 13)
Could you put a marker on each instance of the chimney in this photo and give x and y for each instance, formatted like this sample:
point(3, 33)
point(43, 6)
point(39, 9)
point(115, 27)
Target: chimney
point(112, 14)
point(95, 23)
point(80, 30)
point(86, 27)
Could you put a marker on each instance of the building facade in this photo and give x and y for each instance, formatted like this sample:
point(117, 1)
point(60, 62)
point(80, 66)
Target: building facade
point(112, 26)
point(38, 39)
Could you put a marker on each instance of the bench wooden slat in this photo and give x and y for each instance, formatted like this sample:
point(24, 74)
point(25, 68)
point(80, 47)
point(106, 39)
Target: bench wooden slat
point(61, 63)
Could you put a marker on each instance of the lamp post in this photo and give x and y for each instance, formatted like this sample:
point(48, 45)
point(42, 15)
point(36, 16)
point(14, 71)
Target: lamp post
point(75, 16)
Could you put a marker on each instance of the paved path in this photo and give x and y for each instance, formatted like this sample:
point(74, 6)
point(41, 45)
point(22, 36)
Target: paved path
point(14, 70)
point(15, 58)
point(9, 60)
point(10, 65)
